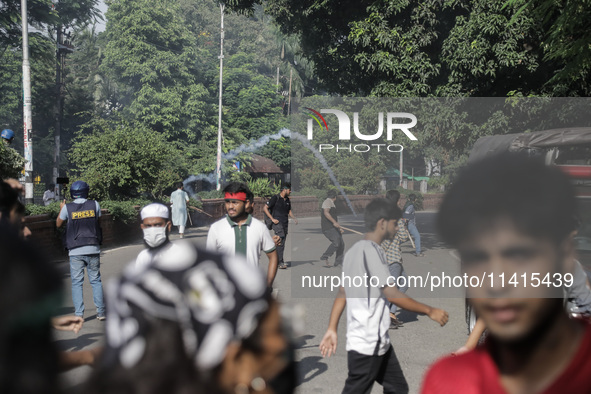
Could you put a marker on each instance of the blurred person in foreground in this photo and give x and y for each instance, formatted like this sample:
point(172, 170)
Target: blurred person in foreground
point(12, 211)
point(193, 321)
point(514, 216)
point(240, 233)
point(30, 297)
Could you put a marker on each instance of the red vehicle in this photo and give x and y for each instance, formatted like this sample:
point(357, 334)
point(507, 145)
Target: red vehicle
point(570, 150)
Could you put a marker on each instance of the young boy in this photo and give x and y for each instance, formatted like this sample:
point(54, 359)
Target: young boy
point(512, 216)
point(370, 356)
point(394, 257)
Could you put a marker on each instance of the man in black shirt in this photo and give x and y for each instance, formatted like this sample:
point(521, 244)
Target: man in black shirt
point(278, 209)
point(331, 229)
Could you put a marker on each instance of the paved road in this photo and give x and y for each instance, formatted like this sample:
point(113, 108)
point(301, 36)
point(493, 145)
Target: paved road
point(417, 344)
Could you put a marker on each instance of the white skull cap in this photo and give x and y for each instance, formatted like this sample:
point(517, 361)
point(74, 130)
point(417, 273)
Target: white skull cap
point(155, 210)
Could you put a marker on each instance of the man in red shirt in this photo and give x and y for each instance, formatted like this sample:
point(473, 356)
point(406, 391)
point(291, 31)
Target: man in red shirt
point(512, 220)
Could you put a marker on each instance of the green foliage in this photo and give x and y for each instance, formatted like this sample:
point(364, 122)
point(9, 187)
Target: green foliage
point(122, 160)
point(11, 163)
point(52, 209)
point(443, 48)
point(212, 194)
point(124, 211)
point(262, 187)
point(151, 52)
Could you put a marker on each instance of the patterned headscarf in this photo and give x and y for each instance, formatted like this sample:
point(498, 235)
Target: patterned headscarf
point(214, 299)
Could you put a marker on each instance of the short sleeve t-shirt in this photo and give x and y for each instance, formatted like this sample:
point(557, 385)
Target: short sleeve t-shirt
point(324, 222)
point(250, 239)
point(280, 208)
point(368, 317)
point(475, 372)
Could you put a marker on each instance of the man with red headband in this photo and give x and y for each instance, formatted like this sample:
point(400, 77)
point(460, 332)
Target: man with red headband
point(240, 233)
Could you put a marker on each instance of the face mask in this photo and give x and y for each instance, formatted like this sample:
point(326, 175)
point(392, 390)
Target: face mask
point(155, 236)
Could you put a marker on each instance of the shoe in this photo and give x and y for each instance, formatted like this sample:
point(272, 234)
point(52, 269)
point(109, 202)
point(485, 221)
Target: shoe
point(418, 254)
point(393, 325)
point(325, 263)
point(101, 317)
point(182, 236)
point(282, 266)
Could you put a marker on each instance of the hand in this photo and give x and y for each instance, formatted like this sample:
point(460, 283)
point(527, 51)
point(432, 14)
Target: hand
point(275, 221)
point(337, 225)
point(277, 240)
point(438, 315)
point(295, 220)
point(67, 323)
point(16, 185)
point(62, 204)
point(461, 350)
point(328, 345)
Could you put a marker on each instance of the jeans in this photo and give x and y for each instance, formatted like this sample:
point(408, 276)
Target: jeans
point(414, 233)
point(93, 265)
point(336, 245)
point(396, 271)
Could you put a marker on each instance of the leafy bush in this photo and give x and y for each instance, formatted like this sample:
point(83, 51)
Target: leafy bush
point(206, 195)
point(11, 163)
point(52, 209)
point(125, 211)
point(263, 187)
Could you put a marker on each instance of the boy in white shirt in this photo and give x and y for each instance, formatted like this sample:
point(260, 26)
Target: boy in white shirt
point(370, 356)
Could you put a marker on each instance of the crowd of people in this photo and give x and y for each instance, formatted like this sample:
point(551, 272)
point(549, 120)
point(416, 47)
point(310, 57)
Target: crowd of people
point(181, 319)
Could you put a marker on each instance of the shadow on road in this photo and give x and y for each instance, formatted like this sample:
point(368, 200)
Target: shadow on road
point(79, 343)
point(310, 367)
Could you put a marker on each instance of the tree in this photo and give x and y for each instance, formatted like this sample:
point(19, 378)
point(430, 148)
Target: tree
point(120, 160)
point(11, 163)
point(426, 47)
point(151, 51)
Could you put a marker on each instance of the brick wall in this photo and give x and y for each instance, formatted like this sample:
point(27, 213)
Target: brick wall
point(48, 237)
point(303, 206)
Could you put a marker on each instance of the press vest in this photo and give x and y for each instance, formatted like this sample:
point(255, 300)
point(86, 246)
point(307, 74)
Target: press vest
point(82, 227)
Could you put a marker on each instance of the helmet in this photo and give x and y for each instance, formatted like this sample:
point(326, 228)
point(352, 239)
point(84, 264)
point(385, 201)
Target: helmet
point(79, 189)
point(8, 135)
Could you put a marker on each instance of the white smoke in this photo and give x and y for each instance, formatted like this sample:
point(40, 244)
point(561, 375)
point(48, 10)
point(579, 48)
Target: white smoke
point(254, 145)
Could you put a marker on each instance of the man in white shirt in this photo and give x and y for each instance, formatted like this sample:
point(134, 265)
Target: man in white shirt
point(49, 195)
point(156, 226)
point(240, 233)
point(370, 356)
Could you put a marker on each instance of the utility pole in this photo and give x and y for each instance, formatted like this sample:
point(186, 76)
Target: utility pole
point(218, 170)
point(58, 112)
point(400, 168)
point(27, 110)
point(62, 49)
point(289, 100)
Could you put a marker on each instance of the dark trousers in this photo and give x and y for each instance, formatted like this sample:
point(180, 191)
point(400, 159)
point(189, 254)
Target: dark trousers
point(336, 245)
point(281, 230)
point(365, 370)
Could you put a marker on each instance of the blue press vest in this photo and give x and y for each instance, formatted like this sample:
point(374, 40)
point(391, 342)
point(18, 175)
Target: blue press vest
point(82, 227)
